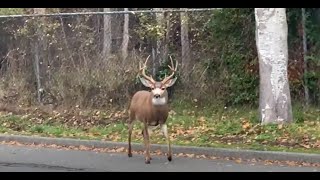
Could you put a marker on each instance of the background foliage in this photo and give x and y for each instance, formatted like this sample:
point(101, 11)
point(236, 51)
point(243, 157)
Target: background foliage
point(224, 60)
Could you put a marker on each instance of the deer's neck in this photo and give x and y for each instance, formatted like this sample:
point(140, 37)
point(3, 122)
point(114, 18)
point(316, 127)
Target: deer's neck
point(159, 110)
point(159, 102)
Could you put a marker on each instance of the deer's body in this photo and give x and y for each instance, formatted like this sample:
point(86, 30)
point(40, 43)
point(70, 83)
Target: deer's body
point(151, 108)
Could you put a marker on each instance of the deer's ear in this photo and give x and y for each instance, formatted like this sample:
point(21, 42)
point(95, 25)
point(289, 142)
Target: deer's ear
point(171, 82)
point(145, 82)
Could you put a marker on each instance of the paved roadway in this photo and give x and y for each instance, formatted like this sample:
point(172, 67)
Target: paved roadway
point(31, 159)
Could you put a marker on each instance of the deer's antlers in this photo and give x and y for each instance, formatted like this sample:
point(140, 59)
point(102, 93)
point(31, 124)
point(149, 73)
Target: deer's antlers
point(173, 71)
point(142, 71)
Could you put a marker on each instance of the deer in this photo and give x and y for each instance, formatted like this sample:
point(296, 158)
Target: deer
point(151, 108)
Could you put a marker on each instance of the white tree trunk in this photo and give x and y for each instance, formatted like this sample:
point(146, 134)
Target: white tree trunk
point(125, 40)
point(271, 40)
point(185, 43)
point(160, 22)
point(107, 38)
point(116, 29)
point(167, 38)
point(37, 46)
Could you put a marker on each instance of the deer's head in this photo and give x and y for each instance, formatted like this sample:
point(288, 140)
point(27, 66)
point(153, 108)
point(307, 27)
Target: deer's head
point(158, 88)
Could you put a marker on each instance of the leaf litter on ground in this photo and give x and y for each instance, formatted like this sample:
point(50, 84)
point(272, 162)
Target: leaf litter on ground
point(185, 128)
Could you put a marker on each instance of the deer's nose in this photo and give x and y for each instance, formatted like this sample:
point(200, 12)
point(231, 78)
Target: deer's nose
point(156, 95)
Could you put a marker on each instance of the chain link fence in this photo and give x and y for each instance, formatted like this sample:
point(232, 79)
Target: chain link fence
point(91, 58)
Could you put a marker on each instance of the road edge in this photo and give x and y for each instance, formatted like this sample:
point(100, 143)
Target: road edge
point(217, 152)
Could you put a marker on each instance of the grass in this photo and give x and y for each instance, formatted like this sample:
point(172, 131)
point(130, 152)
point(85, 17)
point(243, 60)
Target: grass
point(231, 128)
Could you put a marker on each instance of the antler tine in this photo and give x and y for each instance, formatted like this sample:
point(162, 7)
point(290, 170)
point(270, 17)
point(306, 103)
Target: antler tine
point(175, 69)
point(143, 70)
point(144, 65)
point(172, 69)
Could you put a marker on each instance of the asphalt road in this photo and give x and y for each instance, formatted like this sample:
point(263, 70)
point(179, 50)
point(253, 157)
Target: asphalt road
point(31, 159)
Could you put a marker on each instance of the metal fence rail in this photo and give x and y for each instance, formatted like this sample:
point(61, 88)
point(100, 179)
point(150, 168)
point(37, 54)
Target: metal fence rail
point(108, 13)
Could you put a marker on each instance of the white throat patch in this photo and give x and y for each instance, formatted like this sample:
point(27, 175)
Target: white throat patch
point(159, 101)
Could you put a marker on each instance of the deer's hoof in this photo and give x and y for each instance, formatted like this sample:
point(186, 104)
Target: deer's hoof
point(147, 161)
point(129, 154)
point(170, 158)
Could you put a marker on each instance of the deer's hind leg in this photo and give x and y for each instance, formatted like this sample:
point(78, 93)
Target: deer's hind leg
point(130, 127)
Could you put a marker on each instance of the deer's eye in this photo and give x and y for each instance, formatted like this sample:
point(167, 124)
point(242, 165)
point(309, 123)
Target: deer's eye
point(163, 88)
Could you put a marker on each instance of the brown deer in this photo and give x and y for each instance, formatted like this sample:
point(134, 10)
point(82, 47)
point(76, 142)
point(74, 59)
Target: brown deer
point(151, 108)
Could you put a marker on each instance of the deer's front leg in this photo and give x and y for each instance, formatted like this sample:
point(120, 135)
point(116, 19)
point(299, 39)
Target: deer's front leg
point(146, 143)
point(164, 130)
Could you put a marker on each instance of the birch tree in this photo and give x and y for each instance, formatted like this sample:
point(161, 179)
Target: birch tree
point(164, 25)
point(167, 37)
point(106, 34)
point(37, 46)
point(160, 22)
point(125, 40)
point(185, 41)
point(272, 46)
point(156, 52)
point(117, 29)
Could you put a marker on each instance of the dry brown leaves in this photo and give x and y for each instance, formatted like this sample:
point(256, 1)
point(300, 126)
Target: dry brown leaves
point(72, 118)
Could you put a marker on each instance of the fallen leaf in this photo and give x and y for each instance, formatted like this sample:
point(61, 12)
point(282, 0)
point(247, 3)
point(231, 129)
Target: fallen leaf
point(180, 155)
point(291, 163)
point(120, 149)
point(253, 160)
point(317, 144)
point(112, 150)
point(81, 147)
point(190, 155)
point(202, 119)
point(191, 131)
point(305, 146)
point(158, 152)
point(306, 164)
point(246, 125)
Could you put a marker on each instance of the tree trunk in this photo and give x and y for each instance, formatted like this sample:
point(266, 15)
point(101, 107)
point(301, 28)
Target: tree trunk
point(305, 61)
point(272, 46)
point(117, 30)
point(37, 45)
point(107, 38)
point(185, 44)
point(317, 15)
point(160, 18)
point(125, 40)
point(157, 45)
point(167, 38)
